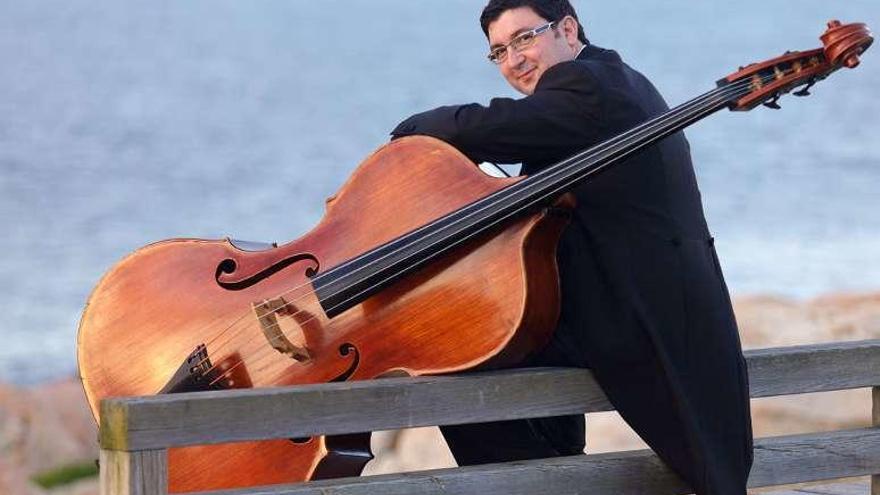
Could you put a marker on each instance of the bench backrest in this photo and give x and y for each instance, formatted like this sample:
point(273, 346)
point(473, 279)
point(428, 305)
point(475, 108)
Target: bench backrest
point(136, 432)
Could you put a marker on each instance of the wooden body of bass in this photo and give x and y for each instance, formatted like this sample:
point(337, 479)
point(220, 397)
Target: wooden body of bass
point(189, 314)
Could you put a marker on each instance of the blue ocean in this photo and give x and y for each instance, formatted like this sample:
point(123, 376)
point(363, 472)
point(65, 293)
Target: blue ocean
point(123, 123)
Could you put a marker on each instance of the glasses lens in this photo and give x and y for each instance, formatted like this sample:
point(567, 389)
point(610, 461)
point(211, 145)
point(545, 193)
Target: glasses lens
point(523, 41)
point(498, 55)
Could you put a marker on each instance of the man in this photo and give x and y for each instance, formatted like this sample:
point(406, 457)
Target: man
point(644, 304)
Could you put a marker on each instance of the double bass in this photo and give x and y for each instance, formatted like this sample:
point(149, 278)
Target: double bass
point(401, 276)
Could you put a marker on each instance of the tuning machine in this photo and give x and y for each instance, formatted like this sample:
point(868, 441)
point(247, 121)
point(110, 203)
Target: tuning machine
point(805, 91)
point(773, 102)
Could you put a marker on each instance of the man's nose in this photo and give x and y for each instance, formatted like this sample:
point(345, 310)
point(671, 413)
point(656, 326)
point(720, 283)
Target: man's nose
point(514, 58)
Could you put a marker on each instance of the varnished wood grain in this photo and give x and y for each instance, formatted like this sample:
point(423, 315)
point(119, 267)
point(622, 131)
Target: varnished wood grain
point(487, 303)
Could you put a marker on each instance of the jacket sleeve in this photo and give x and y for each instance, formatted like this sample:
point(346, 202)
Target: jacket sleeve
point(562, 116)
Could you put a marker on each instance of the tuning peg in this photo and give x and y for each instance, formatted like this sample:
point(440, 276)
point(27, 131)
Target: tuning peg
point(772, 103)
point(805, 91)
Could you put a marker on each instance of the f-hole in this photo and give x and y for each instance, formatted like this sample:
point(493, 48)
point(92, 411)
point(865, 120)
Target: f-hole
point(344, 350)
point(227, 272)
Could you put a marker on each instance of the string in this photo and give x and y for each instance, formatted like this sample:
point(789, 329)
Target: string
point(552, 172)
point(692, 110)
point(522, 192)
point(652, 126)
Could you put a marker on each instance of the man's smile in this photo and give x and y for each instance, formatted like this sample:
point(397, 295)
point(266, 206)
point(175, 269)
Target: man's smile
point(526, 73)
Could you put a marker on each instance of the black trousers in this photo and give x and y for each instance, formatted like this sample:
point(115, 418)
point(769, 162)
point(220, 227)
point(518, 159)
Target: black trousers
point(521, 439)
point(516, 440)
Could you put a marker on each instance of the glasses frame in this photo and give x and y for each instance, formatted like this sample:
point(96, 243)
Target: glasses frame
point(525, 39)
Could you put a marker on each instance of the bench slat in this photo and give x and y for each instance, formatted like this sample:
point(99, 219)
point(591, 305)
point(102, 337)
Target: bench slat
point(778, 460)
point(814, 368)
point(832, 489)
point(145, 423)
point(350, 407)
point(134, 473)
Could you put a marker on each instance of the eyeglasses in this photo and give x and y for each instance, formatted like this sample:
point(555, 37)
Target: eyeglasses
point(519, 43)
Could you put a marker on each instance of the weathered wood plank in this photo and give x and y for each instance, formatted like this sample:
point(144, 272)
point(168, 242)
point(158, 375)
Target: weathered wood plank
point(875, 421)
point(830, 489)
point(339, 408)
point(350, 407)
point(627, 473)
point(778, 460)
point(814, 368)
point(134, 473)
point(815, 456)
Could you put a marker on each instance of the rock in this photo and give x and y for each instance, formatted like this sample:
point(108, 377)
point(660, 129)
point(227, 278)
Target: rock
point(772, 321)
point(43, 428)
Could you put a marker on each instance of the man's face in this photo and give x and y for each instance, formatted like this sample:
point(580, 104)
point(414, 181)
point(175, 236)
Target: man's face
point(523, 69)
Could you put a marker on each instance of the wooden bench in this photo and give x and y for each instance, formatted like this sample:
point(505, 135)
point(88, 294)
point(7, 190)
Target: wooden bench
point(135, 432)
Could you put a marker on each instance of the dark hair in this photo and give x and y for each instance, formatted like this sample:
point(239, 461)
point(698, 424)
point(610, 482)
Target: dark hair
point(552, 10)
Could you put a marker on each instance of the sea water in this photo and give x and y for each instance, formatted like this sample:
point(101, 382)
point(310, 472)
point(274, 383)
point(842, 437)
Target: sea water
point(126, 122)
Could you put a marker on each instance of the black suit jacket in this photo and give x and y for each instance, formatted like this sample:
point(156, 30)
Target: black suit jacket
point(644, 303)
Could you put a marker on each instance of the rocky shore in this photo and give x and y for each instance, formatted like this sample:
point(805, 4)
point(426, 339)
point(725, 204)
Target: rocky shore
point(47, 427)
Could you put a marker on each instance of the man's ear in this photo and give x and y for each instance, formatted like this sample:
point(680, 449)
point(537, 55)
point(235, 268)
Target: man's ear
point(570, 30)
